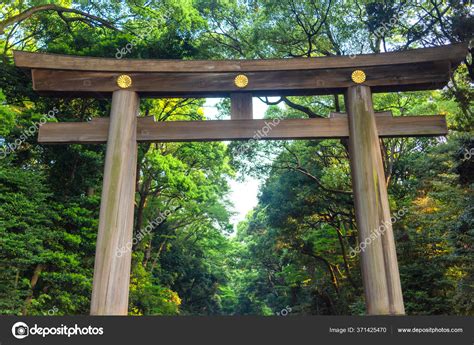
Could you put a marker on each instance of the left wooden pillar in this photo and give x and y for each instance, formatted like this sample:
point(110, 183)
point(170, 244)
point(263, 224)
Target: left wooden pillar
point(111, 270)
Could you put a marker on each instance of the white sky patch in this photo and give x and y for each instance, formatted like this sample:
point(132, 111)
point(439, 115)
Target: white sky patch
point(244, 197)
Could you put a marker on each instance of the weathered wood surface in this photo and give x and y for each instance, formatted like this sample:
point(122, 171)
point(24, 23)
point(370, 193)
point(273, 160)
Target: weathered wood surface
point(453, 53)
point(380, 274)
point(241, 106)
point(112, 266)
point(149, 130)
point(429, 75)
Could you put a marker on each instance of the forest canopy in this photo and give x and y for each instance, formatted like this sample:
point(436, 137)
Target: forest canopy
point(292, 255)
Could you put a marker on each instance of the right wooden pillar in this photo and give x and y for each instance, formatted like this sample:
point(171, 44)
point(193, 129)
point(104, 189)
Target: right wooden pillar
point(381, 279)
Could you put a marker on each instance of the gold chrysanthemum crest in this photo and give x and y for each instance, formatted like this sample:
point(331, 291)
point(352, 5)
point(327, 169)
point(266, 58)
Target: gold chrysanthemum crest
point(241, 81)
point(124, 81)
point(358, 76)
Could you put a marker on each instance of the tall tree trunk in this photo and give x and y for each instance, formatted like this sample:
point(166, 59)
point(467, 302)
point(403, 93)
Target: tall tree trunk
point(33, 282)
point(344, 258)
point(143, 194)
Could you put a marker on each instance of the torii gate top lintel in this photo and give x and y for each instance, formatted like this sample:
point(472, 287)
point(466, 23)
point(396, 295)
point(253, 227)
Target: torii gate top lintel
point(417, 69)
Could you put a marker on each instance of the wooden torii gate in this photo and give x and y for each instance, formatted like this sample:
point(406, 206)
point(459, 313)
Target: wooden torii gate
point(128, 80)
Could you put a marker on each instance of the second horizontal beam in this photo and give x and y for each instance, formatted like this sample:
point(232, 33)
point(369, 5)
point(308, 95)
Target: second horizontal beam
point(95, 131)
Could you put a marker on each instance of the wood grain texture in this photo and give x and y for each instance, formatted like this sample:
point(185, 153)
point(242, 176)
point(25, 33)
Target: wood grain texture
point(380, 274)
point(112, 270)
point(241, 106)
point(453, 53)
point(429, 75)
point(148, 130)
